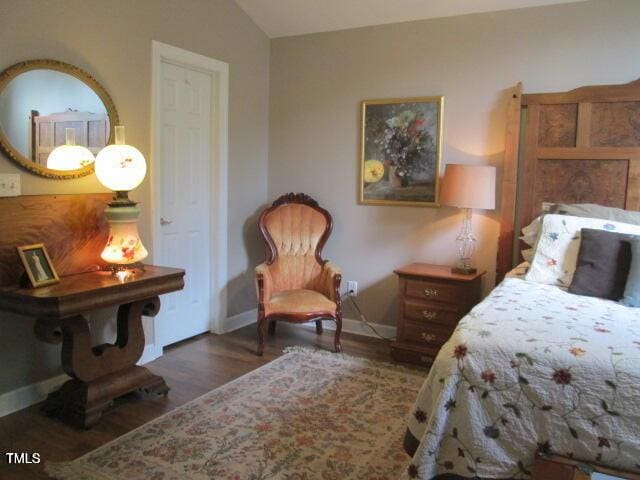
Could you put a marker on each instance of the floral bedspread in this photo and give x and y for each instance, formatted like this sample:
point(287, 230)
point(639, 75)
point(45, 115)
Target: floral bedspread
point(531, 369)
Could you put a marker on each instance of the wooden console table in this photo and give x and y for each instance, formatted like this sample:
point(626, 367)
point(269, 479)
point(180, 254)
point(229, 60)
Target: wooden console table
point(99, 373)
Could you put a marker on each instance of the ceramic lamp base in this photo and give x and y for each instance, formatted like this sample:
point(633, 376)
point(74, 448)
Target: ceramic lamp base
point(124, 247)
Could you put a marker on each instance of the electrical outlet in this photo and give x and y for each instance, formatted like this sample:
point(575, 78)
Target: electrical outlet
point(9, 184)
point(352, 288)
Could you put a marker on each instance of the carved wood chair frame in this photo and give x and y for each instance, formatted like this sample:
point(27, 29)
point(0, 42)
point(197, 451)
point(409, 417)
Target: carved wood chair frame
point(270, 320)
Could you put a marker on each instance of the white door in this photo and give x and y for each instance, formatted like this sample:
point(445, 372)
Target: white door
point(183, 200)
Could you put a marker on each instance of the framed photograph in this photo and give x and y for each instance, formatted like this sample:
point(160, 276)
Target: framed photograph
point(38, 265)
point(400, 151)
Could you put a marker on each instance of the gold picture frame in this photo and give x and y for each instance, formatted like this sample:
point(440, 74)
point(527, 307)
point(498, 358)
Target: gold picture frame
point(401, 151)
point(19, 158)
point(37, 264)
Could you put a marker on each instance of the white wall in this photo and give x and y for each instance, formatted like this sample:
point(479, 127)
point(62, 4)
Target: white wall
point(318, 81)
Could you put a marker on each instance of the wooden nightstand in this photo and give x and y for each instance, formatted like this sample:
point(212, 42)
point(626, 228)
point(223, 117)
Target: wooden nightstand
point(431, 301)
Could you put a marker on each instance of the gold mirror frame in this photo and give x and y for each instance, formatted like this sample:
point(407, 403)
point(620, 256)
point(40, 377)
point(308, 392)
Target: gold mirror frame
point(46, 64)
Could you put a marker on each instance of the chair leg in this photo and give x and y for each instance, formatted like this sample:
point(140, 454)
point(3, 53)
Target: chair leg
point(319, 327)
point(261, 324)
point(272, 327)
point(336, 341)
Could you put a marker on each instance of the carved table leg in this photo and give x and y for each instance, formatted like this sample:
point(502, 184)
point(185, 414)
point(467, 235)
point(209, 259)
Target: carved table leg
point(104, 372)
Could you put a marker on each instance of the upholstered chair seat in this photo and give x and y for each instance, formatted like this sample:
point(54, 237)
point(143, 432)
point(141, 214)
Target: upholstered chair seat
point(295, 284)
point(300, 301)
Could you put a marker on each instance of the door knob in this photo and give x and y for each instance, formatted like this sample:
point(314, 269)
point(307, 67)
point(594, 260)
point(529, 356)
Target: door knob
point(165, 222)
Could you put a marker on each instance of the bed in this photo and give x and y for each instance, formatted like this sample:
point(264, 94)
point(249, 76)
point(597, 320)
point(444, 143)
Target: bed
point(534, 369)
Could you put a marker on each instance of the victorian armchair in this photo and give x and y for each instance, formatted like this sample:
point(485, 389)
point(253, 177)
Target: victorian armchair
point(295, 284)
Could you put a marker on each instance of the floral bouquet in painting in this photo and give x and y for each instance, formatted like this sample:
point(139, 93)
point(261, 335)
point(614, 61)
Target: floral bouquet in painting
point(401, 151)
point(404, 142)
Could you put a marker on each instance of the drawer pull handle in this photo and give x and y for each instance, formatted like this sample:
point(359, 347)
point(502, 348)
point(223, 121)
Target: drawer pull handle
point(425, 359)
point(429, 314)
point(429, 337)
point(430, 292)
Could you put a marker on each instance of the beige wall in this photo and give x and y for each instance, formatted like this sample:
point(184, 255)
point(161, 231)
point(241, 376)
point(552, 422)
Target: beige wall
point(317, 82)
point(112, 41)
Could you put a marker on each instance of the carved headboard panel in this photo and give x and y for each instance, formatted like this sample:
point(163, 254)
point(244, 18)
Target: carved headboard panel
point(48, 132)
point(581, 146)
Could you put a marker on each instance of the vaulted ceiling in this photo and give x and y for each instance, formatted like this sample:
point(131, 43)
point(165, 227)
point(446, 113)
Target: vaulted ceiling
point(282, 18)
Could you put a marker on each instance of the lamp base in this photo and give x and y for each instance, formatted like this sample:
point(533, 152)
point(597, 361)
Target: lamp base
point(124, 246)
point(464, 271)
point(115, 268)
point(466, 246)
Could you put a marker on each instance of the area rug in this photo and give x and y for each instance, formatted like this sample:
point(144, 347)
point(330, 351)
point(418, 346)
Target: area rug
point(306, 415)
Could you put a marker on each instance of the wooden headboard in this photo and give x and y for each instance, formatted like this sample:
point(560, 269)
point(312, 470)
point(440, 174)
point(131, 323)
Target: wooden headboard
point(580, 146)
point(48, 132)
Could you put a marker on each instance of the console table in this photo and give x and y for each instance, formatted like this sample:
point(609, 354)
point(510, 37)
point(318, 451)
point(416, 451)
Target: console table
point(101, 373)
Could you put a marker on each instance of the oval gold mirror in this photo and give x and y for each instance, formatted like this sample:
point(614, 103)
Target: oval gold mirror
point(46, 104)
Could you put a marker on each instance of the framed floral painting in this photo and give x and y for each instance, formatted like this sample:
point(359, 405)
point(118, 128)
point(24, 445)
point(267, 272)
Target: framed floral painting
point(400, 151)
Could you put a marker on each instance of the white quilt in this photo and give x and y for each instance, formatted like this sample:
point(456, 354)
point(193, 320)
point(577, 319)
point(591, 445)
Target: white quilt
point(531, 368)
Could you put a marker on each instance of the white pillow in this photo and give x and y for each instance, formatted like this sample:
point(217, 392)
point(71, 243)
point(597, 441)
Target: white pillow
point(554, 261)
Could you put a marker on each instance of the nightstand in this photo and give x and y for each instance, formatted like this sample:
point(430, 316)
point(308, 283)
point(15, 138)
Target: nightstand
point(431, 301)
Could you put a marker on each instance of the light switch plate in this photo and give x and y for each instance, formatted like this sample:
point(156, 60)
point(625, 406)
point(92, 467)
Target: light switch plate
point(9, 184)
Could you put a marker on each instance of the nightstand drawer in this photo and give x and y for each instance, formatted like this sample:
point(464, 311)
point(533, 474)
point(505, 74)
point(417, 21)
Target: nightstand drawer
point(432, 335)
point(406, 353)
point(436, 291)
point(419, 311)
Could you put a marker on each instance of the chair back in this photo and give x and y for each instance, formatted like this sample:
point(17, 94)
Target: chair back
point(295, 229)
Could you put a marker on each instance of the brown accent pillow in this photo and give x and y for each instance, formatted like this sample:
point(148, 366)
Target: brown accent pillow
point(603, 264)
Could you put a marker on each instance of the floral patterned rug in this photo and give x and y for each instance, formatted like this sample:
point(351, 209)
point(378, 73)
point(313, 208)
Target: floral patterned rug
point(307, 415)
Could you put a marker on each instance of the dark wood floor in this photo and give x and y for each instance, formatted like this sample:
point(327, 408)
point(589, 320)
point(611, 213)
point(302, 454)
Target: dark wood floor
point(191, 368)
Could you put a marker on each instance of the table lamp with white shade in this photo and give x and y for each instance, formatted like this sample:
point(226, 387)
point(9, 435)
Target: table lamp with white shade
point(121, 168)
point(468, 187)
point(69, 156)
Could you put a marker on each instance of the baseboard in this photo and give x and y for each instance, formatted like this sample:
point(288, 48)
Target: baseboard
point(349, 325)
point(240, 320)
point(30, 394)
point(358, 327)
point(150, 353)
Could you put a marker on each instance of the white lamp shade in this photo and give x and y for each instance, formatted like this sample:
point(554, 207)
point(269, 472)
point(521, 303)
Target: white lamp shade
point(120, 167)
point(469, 186)
point(69, 156)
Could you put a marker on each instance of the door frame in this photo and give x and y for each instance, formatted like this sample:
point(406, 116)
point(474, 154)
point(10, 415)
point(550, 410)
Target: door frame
point(218, 182)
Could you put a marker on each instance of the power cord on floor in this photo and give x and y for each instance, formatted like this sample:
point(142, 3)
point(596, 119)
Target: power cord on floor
point(363, 319)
